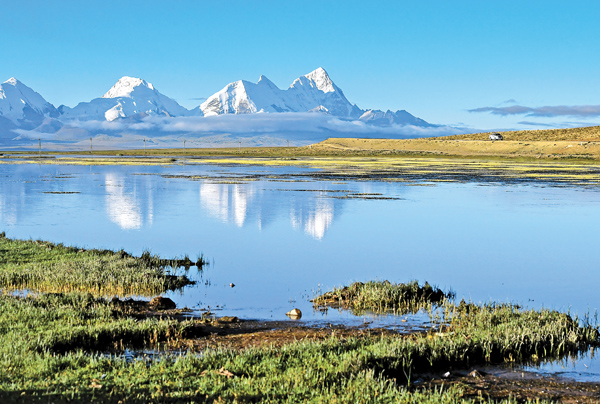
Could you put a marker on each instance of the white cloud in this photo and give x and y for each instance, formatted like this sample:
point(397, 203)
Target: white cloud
point(226, 130)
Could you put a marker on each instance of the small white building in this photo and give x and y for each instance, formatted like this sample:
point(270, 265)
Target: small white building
point(496, 136)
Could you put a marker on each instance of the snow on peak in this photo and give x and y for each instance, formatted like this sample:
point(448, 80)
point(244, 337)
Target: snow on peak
point(20, 103)
point(321, 80)
point(264, 81)
point(12, 81)
point(125, 86)
point(312, 92)
point(129, 97)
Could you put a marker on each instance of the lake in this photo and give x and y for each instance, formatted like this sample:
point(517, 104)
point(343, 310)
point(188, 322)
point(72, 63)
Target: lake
point(278, 240)
point(281, 238)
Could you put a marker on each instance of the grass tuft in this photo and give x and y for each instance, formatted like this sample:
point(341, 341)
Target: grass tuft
point(383, 296)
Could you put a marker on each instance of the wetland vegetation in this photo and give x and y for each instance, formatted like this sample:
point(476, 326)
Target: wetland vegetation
point(563, 157)
point(53, 345)
point(43, 266)
point(384, 297)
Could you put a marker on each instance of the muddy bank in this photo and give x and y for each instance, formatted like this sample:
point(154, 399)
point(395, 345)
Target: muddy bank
point(502, 382)
point(499, 382)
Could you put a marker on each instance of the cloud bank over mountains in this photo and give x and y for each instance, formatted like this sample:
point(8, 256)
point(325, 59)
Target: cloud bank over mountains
point(312, 109)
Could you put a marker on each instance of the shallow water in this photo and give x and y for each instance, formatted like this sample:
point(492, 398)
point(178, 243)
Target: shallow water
point(280, 242)
point(583, 368)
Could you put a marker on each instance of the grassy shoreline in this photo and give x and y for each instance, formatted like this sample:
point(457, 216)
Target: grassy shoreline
point(581, 145)
point(42, 266)
point(377, 168)
point(49, 344)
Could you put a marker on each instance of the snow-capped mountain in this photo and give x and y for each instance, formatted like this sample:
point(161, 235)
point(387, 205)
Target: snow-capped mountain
point(244, 97)
point(312, 92)
point(129, 97)
point(22, 107)
point(401, 117)
point(311, 109)
point(315, 91)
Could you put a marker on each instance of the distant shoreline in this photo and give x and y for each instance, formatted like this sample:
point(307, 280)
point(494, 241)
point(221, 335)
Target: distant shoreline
point(577, 144)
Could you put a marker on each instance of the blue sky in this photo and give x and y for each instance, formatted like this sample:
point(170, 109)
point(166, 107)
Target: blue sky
point(436, 59)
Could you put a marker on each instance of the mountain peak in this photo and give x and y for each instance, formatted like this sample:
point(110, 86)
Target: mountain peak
point(125, 86)
point(20, 103)
point(264, 81)
point(12, 81)
point(321, 79)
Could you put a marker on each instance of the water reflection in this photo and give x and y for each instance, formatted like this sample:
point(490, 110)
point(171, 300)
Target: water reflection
point(8, 213)
point(280, 240)
point(130, 201)
point(315, 218)
point(311, 212)
point(226, 202)
point(123, 208)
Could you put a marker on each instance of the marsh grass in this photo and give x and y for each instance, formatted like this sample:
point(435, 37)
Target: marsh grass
point(49, 342)
point(383, 296)
point(45, 345)
point(43, 266)
point(59, 323)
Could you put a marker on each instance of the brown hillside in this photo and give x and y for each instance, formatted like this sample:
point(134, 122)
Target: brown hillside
point(587, 134)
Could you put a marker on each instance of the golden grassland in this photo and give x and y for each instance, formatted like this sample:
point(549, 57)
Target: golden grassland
point(458, 147)
point(574, 143)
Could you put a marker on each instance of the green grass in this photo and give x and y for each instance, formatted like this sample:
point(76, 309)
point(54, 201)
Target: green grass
point(47, 267)
point(51, 345)
point(45, 346)
point(383, 296)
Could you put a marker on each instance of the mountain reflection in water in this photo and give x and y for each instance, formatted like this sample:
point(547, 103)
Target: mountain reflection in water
point(251, 203)
point(123, 207)
point(279, 240)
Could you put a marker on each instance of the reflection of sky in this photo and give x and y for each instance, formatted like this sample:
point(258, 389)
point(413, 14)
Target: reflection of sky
point(281, 242)
point(582, 368)
point(518, 243)
point(7, 213)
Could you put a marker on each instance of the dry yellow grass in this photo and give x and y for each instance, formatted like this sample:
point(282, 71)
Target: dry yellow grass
point(587, 134)
point(583, 145)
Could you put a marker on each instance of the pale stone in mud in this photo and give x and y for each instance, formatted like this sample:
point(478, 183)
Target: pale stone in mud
point(294, 314)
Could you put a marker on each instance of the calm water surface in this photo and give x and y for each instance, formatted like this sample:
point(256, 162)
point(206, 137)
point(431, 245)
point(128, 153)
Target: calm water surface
point(280, 242)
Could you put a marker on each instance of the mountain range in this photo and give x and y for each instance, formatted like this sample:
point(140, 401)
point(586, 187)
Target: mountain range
point(131, 99)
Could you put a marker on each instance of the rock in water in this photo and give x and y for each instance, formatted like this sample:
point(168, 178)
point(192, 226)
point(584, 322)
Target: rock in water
point(162, 303)
point(294, 314)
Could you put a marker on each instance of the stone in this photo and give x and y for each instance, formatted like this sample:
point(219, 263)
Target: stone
point(294, 314)
point(162, 303)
